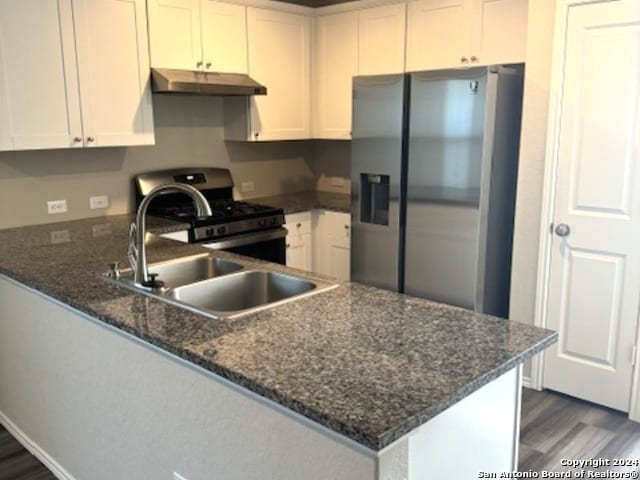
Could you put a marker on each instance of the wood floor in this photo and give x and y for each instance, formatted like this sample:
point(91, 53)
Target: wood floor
point(556, 427)
point(553, 427)
point(16, 463)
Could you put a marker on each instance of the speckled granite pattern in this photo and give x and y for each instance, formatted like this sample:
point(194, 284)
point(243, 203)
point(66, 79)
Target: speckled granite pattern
point(366, 363)
point(304, 201)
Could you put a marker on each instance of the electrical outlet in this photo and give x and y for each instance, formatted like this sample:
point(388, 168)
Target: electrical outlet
point(101, 201)
point(177, 476)
point(60, 236)
point(247, 187)
point(56, 206)
point(337, 181)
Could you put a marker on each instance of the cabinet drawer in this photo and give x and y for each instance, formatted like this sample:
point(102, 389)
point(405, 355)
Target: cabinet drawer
point(335, 224)
point(298, 223)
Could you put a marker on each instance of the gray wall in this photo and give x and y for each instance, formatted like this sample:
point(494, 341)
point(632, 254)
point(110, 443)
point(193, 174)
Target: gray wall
point(189, 131)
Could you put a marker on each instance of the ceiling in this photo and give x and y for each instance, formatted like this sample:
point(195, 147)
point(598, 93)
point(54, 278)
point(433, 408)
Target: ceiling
point(315, 3)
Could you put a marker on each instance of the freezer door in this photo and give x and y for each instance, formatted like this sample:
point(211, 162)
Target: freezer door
point(444, 182)
point(375, 179)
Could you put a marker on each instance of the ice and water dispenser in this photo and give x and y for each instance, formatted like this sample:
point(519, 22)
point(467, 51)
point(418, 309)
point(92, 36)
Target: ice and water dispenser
point(374, 191)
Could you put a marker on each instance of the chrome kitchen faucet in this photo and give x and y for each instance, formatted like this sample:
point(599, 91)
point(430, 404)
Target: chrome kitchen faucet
point(137, 253)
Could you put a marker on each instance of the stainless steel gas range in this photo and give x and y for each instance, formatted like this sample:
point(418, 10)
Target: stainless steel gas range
point(241, 227)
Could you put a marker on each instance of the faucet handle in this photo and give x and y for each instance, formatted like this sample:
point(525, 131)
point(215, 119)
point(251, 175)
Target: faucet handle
point(114, 270)
point(153, 283)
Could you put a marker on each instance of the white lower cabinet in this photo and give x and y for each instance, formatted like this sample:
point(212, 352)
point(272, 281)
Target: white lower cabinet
point(333, 240)
point(319, 241)
point(299, 241)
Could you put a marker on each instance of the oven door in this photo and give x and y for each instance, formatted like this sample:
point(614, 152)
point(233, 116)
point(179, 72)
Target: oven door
point(269, 245)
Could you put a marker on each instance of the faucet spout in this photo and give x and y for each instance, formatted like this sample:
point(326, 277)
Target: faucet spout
point(137, 253)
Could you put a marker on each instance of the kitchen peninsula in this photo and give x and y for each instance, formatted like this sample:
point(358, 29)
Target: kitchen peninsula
point(350, 383)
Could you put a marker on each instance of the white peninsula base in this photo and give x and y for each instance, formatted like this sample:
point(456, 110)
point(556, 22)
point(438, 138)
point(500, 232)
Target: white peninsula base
point(94, 403)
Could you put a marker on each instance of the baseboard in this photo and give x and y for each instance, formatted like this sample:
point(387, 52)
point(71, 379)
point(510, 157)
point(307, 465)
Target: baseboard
point(55, 468)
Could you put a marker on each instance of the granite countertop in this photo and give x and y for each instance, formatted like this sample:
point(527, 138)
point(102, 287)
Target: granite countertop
point(304, 201)
point(369, 364)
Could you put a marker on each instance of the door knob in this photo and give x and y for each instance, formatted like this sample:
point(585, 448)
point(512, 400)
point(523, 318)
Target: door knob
point(562, 230)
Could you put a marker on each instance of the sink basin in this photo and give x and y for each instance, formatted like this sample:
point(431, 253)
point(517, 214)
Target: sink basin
point(242, 291)
point(219, 288)
point(187, 270)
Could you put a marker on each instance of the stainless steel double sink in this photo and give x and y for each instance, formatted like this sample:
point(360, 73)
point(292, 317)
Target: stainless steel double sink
point(220, 288)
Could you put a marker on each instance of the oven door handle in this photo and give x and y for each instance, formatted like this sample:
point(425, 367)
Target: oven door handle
point(247, 239)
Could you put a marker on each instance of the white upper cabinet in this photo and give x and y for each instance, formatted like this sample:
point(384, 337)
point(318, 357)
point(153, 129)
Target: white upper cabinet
point(336, 62)
point(67, 81)
point(113, 72)
point(198, 35)
point(224, 37)
point(279, 46)
point(381, 39)
point(500, 31)
point(174, 34)
point(455, 33)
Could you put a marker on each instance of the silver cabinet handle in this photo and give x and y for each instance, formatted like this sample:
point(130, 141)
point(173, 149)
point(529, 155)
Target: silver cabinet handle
point(563, 230)
point(77, 139)
point(91, 139)
point(464, 59)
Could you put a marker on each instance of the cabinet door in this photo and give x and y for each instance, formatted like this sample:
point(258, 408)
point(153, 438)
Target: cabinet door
point(381, 39)
point(299, 243)
point(39, 103)
point(174, 33)
point(279, 58)
point(438, 34)
point(114, 72)
point(499, 32)
point(224, 37)
point(333, 240)
point(299, 252)
point(336, 62)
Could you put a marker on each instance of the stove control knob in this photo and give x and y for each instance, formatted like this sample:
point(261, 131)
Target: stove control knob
point(210, 232)
point(221, 230)
point(262, 222)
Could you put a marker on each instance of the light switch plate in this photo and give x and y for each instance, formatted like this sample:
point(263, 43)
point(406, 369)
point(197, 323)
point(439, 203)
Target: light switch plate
point(248, 187)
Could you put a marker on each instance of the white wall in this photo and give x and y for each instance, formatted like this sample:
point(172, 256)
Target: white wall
point(532, 159)
point(107, 407)
point(189, 131)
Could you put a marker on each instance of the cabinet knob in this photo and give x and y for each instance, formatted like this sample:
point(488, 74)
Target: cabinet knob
point(256, 135)
point(208, 65)
point(346, 227)
point(464, 59)
point(199, 65)
point(298, 225)
point(91, 139)
point(77, 139)
point(474, 58)
point(288, 245)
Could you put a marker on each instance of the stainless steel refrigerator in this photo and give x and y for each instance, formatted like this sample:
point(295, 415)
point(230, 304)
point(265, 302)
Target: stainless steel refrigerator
point(434, 162)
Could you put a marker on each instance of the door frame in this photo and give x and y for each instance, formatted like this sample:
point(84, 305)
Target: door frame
point(547, 212)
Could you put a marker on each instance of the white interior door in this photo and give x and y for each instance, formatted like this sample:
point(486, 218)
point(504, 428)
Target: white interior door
point(594, 284)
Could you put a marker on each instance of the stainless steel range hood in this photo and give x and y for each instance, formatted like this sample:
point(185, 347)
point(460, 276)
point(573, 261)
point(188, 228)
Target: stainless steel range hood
point(165, 80)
